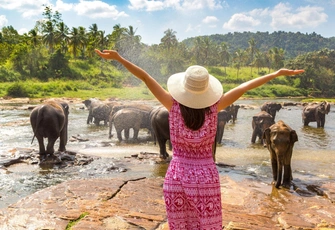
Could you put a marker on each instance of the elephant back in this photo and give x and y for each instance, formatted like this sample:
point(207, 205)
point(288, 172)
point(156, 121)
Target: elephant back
point(116, 108)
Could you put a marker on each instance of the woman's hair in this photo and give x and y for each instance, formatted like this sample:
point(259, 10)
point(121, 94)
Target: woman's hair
point(193, 118)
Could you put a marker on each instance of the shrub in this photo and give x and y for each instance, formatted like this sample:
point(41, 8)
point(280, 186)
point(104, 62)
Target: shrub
point(17, 90)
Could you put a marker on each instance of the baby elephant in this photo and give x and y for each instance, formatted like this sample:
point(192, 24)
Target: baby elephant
point(130, 118)
point(279, 139)
point(50, 120)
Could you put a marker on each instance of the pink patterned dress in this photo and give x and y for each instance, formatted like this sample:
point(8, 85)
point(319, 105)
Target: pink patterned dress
point(192, 186)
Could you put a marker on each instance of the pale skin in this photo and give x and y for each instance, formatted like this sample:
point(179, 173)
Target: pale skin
point(165, 98)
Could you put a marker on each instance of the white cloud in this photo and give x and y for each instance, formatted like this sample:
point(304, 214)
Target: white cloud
point(149, 5)
point(22, 31)
point(308, 16)
point(62, 6)
point(3, 21)
point(241, 22)
point(210, 19)
point(98, 9)
point(28, 9)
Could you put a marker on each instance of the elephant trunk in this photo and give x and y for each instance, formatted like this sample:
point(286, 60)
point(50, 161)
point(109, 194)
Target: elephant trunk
point(279, 175)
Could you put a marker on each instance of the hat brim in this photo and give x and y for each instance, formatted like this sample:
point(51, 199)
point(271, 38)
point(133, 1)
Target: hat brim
point(210, 96)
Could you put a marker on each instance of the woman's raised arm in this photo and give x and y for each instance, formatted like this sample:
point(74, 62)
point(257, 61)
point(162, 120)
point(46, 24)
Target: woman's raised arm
point(232, 95)
point(157, 90)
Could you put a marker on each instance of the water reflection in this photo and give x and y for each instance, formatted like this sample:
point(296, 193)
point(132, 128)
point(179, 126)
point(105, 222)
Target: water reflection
point(315, 137)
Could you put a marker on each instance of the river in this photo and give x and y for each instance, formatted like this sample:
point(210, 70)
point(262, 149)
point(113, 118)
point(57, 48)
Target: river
point(313, 159)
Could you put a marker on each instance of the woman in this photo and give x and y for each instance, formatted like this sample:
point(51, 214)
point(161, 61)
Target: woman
point(192, 184)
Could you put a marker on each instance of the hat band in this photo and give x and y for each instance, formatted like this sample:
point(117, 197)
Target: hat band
point(195, 86)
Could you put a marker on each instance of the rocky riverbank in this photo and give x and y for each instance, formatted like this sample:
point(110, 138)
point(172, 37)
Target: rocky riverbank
point(138, 204)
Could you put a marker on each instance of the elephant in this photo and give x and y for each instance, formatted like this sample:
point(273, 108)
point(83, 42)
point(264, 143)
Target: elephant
point(90, 105)
point(223, 118)
point(117, 107)
point(50, 120)
point(232, 111)
point(130, 118)
point(316, 112)
point(272, 108)
point(101, 113)
point(280, 139)
point(159, 118)
point(98, 110)
point(260, 122)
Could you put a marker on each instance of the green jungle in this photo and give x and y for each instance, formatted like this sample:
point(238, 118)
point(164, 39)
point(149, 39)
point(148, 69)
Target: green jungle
point(53, 60)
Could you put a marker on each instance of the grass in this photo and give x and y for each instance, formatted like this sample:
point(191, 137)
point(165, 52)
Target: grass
point(125, 87)
point(74, 222)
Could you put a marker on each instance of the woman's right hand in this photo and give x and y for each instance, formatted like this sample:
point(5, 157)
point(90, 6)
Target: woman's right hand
point(289, 72)
point(108, 54)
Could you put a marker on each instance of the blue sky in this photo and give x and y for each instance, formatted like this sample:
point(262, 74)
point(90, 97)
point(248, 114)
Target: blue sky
point(188, 18)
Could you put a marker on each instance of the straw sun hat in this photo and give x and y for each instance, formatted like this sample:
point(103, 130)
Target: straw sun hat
point(195, 88)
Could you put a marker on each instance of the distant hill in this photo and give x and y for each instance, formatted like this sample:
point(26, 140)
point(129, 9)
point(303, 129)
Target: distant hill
point(293, 43)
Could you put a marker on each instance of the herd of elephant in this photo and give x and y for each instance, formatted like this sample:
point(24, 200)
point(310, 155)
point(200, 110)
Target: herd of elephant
point(279, 138)
point(50, 120)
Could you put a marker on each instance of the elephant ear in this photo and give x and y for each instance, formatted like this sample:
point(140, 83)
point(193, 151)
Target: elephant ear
point(327, 107)
point(279, 106)
point(294, 136)
point(266, 136)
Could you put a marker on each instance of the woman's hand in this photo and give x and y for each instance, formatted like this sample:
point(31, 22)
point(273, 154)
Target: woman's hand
point(108, 54)
point(289, 72)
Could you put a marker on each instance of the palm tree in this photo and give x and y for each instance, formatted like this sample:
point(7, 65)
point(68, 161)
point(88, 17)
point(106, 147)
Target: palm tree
point(62, 36)
point(130, 43)
point(116, 36)
point(252, 50)
point(277, 57)
point(34, 38)
point(224, 55)
point(83, 40)
point(75, 41)
point(198, 50)
point(49, 35)
point(169, 40)
point(258, 61)
point(239, 58)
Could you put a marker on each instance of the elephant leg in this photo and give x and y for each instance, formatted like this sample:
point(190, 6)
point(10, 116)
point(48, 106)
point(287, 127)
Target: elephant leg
point(323, 122)
point(253, 137)
point(170, 145)
point(162, 149)
point(274, 164)
point(110, 130)
point(119, 136)
point(135, 134)
point(41, 145)
point(126, 133)
point(287, 176)
point(62, 140)
point(306, 122)
point(50, 146)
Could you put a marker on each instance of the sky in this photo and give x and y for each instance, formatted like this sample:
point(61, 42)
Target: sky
point(187, 18)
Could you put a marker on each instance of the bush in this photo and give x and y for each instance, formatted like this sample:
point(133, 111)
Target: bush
point(17, 90)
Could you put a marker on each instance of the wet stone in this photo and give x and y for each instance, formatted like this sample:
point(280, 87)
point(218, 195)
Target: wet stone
point(137, 203)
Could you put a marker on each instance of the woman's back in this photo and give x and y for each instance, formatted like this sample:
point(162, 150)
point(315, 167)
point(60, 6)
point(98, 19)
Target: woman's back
point(192, 144)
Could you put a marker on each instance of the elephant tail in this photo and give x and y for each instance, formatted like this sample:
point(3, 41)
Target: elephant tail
point(33, 139)
point(39, 118)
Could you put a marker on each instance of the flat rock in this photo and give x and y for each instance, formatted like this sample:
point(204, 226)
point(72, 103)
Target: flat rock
point(138, 204)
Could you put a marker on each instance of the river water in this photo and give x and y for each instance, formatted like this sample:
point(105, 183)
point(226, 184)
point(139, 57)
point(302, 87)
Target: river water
point(313, 159)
